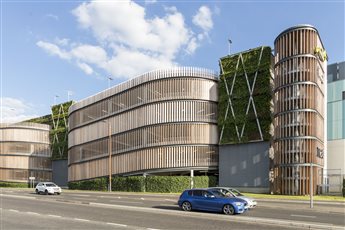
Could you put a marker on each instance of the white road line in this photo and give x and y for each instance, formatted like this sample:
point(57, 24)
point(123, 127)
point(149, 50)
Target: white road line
point(33, 213)
point(12, 210)
point(303, 216)
point(170, 200)
point(84, 198)
point(115, 224)
point(80, 195)
point(129, 202)
point(81, 219)
point(153, 229)
point(142, 198)
point(55, 216)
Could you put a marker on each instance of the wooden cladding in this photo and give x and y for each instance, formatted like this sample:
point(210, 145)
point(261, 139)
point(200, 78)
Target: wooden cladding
point(159, 135)
point(299, 111)
point(160, 90)
point(151, 114)
point(24, 152)
point(295, 42)
point(152, 76)
point(169, 157)
point(22, 175)
point(157, 122)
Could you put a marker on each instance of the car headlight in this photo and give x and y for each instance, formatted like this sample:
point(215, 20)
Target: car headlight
point(238, 203)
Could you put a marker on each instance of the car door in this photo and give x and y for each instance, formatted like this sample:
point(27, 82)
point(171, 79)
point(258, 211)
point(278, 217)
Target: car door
point(210, 202)
point(39, 187)
point(197, 199)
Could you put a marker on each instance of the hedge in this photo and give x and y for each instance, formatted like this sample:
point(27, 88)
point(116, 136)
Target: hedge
point(162, 184)
point(14, 185)
point(343, 187)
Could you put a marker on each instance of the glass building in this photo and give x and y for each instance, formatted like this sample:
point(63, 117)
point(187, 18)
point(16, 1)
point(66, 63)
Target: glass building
point(25, 152)
point(336, 118)
point(162, 122)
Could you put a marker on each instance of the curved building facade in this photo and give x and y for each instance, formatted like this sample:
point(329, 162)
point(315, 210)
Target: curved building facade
point(25, 152)
point(300, 90)
point(162, 122)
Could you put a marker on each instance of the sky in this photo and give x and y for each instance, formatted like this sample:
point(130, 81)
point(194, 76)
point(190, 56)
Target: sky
point(52, 51)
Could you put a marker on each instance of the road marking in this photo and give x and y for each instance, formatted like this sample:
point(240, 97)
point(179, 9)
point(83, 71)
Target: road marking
point(12, 210)
point(129, 202)
point(55, 216)
point(303, 216)
point(80, 195)
point(33, 213)
point(142, 198)
point(115, 224)
point(170, 200)
point(85, 198)
point(81, 219)
point(152, 229)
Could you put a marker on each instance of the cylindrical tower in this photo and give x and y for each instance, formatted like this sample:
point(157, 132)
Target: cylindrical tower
point(299, 113)
point(25, 152)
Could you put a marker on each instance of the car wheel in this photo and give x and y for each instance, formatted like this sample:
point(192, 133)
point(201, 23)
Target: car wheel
point(36, 191)
point(58, 193)
point(46, 192)
point(186, 206)
point(228, 209)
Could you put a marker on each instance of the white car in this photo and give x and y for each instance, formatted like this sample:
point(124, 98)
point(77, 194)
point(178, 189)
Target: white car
point(47, 188)
point(235, 193)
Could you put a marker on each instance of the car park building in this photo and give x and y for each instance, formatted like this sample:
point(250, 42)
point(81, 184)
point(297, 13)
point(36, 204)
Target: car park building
point(25, 152)
point(163, 122)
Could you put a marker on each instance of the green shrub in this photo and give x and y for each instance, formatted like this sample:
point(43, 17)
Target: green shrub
point(14, 185)
point(163, 184)
point(343, 187)
point(98, 184)
point(128, 184)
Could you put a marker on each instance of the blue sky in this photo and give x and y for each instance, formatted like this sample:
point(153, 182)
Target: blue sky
point(51, 47)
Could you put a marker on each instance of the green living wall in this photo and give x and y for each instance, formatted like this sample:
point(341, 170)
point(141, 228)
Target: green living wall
point(58, 120)
point(162, 184)
point(238, 72)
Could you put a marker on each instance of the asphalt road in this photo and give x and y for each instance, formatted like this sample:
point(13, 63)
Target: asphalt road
point(22, 209)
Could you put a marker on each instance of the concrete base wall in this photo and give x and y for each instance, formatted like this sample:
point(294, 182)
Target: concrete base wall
point(60, 172)
point(245, 166)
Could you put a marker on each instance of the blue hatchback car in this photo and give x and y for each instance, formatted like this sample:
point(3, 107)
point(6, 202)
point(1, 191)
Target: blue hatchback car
point(207, 200)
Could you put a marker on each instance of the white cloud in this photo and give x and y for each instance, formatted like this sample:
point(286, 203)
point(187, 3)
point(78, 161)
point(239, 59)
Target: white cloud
point(53, 49)
point(53, 16)
point(62, 42)
point(150, 1)
point(203, 18)
point(91, 54)
point(129, 42)
point(85, 67)
point(15, 110)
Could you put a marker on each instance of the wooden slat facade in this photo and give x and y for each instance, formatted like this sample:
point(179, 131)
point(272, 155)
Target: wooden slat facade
point(25, 152)
point(299, 111)
point(164, 119)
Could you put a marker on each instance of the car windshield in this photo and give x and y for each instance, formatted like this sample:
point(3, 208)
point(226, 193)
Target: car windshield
point(51, 185)
point(236, 192)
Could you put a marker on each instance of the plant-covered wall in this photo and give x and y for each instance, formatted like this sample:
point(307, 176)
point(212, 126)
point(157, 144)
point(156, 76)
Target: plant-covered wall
point(58, 120)
point(243, 76)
